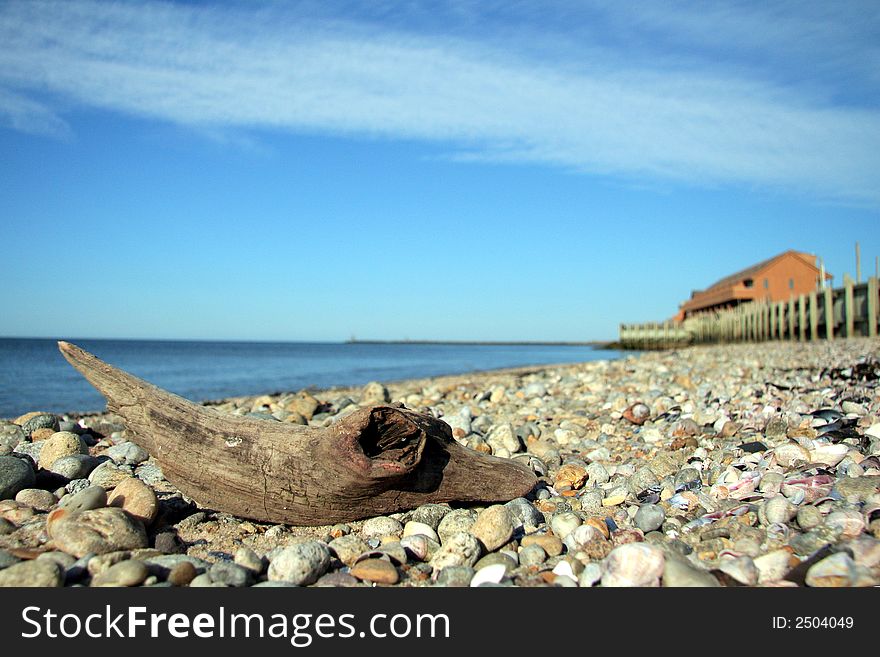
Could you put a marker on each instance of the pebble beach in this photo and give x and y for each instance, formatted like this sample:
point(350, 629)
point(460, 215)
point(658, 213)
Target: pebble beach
point(728, 465)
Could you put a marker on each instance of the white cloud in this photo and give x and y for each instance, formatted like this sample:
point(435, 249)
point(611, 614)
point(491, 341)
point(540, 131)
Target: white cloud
point(225, 68)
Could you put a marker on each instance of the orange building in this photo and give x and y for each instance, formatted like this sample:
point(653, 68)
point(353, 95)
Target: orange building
point(789, 274)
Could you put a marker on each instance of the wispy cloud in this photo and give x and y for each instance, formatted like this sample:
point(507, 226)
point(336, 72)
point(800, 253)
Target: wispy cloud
point(546, 98)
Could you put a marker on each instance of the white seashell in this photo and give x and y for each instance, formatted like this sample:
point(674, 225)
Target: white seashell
point(742, 569)
point(563, 569)
point(773, 566)
point(850, 522)
point(789, 453)
point(417, 545)
point(590, 575)
point(838, 570)
point(413, 528)
point(489, 575)
point(828, 454)
point(634, 564)
point(779, 510)
point(582, 535)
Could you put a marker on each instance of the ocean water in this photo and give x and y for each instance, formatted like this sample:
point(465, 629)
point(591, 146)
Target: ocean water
point(34, 375)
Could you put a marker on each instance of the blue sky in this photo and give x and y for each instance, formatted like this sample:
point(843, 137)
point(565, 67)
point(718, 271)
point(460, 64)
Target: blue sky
point(458, 170)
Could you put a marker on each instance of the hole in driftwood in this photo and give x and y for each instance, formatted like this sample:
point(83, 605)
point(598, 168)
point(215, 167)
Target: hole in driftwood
point(391, 435)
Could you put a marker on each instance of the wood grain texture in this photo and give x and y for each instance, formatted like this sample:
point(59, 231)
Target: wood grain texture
point(375, 461)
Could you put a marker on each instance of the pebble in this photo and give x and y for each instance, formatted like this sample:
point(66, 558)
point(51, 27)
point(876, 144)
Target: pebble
point(59, 445)
point(377, 571)
point(430, 514)
point(455, 522)
point(809, 517)
point(349, 548)
point(125, 573)
point(779, 510)
point(15, 475)
point(532, 555)
point(127, 453)
point(493, 527)
point(459, 549)
point(75, 466)
point(455, 576)
point(300, 564)
point(524, 514)
point(93, 497)
point(39, 421)
point(34, 573)
point(336, 580)
point(564, 523)
point(634, 565)
point(97, 530)
point(182, 574)
point(10, 436)
point(548, 542)
point(230, 574)
point(650, 517)
point(381, 526)
point(247, 558)
point(37, 498)
point(135, 498)
point(742, 569)
point(107, 475)
point(678, 573)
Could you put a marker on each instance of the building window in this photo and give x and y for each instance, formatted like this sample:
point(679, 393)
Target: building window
point(766, 284)
point(749, 282)
point(790, 283)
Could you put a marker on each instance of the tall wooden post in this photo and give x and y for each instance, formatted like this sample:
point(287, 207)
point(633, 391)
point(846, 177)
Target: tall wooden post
point(791, 318)
point(872, 306)
point(814, 315)
point(828, 293)
point(802, 318)
point(849, 307)
point(780, 309)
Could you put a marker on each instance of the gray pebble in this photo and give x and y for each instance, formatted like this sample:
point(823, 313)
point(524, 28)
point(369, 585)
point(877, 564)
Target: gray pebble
point(92, 497)
point(15, 475)
point(127, 453)
point(125, 573)
point(7, 559)
point(380, 527)
point(10, 436)
point(42, 421)
point(650, 517)
point(34, 573)
point(532, 555)
point(455, 576)
point(300, 564)
point(247, 558)
point(231, 574)
point(454, 522)
point(430, 514)
point(524, 514)
point(74, 466)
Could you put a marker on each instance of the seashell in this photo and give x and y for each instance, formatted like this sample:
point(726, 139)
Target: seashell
point(489, 575)
point(849, 521)
point(838, 570)
point(741, 568)
point(581, 536)
point(413, 528)
point(775, 565)
point(415, 545)
point(778, 510)
point(797, 496)
point(790, 453)
point(564, 569)
point(829, 454)
point(634, 565)
point(638, 413)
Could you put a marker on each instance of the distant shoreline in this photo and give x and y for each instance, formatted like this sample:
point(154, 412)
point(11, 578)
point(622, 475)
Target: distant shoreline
point(483, 343)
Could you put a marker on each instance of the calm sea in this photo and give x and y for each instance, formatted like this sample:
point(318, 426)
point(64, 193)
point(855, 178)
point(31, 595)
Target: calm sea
point(34, 375)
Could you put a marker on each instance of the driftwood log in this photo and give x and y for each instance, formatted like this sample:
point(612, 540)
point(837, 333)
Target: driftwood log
point(374, 461)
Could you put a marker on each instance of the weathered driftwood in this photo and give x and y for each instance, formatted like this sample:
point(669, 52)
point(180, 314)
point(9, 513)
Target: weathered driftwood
point(374, 461)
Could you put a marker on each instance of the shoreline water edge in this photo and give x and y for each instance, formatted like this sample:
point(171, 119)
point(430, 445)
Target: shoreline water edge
point(729, 465)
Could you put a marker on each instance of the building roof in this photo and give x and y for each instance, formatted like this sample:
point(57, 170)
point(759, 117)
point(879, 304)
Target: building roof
point(730, 288)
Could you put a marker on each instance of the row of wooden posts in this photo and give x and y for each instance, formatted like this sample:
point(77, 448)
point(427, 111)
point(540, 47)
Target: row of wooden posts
point(824, 314)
